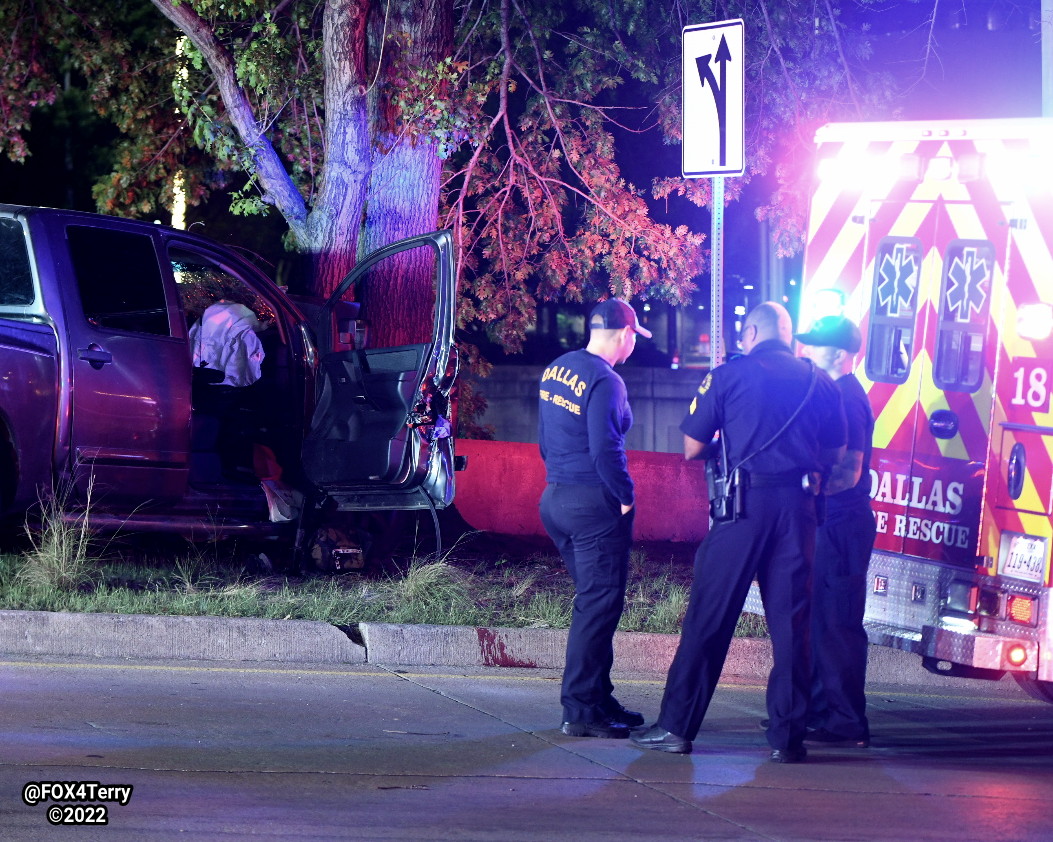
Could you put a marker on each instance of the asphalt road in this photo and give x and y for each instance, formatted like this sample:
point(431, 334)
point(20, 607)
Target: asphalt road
point(224, 751)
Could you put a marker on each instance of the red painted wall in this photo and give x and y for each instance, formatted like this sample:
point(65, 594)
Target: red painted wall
point(500, 489)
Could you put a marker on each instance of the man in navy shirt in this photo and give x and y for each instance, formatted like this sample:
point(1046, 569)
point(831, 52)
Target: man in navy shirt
point(842, 554)
point(587, 509)
point(781, 423)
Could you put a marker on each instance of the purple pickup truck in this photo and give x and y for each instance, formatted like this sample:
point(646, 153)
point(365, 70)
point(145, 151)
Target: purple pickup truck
point(101, 405)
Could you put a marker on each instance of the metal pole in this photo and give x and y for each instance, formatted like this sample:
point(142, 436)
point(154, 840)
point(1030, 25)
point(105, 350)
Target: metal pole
point(1046, 29)
point(716, 273)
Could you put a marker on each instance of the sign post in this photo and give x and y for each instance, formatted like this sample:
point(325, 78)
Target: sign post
point(714, 136)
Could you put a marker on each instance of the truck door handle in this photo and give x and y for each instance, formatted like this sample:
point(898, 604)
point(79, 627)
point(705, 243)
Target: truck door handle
point(95, 356)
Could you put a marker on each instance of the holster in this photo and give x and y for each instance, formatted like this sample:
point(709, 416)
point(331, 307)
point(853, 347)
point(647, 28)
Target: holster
point(726, 499)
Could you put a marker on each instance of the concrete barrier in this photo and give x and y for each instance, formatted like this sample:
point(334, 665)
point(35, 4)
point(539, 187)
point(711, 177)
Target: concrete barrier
point(500, 489)
point(658, 396)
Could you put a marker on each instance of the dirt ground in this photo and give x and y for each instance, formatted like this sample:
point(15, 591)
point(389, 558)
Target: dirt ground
point(457, 532)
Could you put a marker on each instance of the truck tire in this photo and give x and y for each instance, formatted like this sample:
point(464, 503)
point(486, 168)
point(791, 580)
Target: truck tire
point(11, 524)
point(1041, 690)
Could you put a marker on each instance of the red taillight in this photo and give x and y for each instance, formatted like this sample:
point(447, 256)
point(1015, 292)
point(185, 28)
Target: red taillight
point(1020, 609)
point(1016, 655)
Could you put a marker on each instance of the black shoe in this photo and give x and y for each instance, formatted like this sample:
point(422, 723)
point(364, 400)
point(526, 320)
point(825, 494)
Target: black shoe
point(659, 739)
point(763, 724)
point(604, 728)
point(617, 713)
point(822, 737)
point(788, 755)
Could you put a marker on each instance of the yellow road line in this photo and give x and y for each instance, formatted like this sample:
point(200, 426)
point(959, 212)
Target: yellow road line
point(381, 671)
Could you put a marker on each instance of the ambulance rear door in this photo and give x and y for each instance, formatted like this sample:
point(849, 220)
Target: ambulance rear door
point(928, 357)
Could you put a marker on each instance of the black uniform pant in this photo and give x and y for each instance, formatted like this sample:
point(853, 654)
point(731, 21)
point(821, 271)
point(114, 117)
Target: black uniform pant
point(839, 641)
point(223, 430)
point(593, 538)
point(775, 542)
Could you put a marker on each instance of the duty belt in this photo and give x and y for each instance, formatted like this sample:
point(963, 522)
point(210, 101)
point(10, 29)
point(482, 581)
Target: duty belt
point(784, 479)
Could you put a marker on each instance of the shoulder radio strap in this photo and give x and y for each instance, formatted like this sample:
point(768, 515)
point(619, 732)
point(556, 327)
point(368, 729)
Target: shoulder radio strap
point(789, 421)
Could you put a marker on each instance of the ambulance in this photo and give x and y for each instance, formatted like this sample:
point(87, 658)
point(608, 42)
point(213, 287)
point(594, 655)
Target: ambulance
point(937, 239)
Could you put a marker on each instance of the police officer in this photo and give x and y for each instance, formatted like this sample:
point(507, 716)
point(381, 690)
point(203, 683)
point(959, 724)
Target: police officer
point(587, 509)
point(842, 553)
point(781, 424)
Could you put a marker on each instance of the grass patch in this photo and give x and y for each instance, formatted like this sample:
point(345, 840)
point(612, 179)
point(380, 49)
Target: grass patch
point(484, 580)
point(58, 557)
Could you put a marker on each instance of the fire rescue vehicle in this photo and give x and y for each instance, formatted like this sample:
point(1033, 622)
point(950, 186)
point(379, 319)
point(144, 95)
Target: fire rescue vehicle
point(937, 239)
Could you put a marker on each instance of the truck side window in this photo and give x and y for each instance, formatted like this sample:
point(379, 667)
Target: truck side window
point(965, 298)
point(119, 280)
point(16, 278)
point(893, 304)
point(202, 283)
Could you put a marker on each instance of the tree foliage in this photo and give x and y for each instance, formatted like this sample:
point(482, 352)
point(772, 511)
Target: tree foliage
point(362, 121)
point(536, 193)
point(807, 63)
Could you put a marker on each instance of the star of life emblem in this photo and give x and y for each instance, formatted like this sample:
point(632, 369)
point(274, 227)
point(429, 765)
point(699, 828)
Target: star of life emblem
point(898, 279)
point(968, 275)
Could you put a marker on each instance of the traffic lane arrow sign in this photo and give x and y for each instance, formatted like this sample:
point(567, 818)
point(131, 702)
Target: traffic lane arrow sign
point(713, 100)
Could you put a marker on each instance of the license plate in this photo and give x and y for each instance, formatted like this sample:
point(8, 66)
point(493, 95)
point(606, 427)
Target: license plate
point(1022, 557)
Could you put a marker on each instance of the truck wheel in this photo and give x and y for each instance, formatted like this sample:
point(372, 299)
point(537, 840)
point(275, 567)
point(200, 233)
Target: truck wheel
point(12, 533)
point(1041, 690)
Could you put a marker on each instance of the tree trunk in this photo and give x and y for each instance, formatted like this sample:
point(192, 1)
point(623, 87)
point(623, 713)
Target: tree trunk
point(403, 192)
point(335, 220)
point(379, 184)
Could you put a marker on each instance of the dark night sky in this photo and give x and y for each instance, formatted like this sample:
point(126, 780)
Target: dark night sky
point(986, 61)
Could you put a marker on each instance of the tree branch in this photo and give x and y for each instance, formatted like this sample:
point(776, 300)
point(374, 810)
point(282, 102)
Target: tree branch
point(281, 192)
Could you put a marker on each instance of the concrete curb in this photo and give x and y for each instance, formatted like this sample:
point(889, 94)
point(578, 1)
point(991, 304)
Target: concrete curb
point(634, 652)
point(130, 636)
point(177, 638)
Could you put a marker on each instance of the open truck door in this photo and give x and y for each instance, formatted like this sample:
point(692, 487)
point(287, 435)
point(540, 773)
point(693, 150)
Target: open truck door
point(381, 435)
